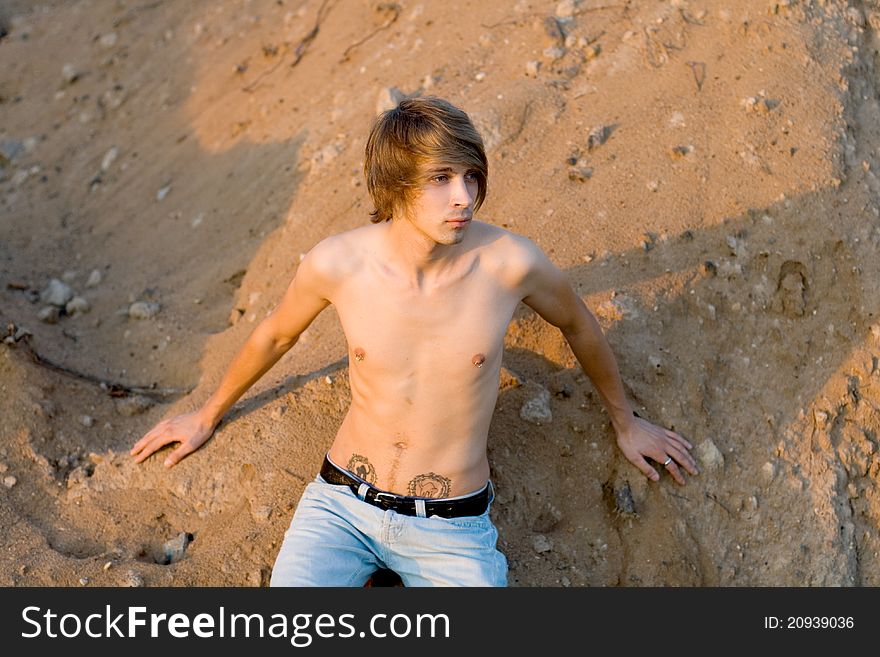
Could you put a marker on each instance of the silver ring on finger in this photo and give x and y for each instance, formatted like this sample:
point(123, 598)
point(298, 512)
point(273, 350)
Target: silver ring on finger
point(667, 461)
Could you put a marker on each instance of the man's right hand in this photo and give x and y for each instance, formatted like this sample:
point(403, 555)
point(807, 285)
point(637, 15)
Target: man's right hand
point(190, 430)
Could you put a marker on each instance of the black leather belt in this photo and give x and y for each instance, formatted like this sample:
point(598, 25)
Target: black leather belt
point(472, 505)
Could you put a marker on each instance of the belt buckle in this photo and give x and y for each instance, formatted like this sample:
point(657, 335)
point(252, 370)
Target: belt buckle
point(382, 494)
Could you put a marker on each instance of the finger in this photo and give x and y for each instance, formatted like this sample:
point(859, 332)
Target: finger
point(148, 437)
point(675, 472)
point(646, 468)
point(676, 437)
point(685, 459)
point(139, 445)
point(157, 442)
point(174, 457)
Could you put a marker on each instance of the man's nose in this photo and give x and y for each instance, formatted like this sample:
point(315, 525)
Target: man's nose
point(461, 195)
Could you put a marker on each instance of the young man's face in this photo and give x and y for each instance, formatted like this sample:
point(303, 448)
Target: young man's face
point(444, 206)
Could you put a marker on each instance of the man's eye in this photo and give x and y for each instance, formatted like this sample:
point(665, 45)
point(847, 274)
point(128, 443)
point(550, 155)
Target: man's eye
point(440, 178)
point(471, 176)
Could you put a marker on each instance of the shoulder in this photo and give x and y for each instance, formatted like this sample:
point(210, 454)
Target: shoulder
point(338, 256)
point(513, 257)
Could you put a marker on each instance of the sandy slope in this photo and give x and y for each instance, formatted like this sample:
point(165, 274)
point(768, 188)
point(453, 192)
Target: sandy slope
point(725, 233)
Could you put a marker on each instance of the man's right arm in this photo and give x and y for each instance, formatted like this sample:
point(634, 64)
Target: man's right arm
point(307, 295)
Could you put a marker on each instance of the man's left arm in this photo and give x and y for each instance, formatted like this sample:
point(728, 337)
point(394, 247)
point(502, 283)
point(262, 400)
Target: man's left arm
point(548, 292)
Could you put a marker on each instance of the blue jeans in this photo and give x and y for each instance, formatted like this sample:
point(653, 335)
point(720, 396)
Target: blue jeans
point(335, 539)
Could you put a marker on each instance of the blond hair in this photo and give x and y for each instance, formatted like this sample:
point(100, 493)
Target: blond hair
point(416, 132)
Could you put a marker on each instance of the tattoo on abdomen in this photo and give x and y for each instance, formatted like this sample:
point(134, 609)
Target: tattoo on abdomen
point(360, 466)
point(429, 485)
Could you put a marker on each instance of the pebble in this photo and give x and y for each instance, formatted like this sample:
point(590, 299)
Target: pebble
point(9, 150)
point(768, 471)
point(113, 98)
point(87, 420)
point(107, 566)
point(9, 481)
point(133, 579)
point(143, 309)
point(108, 40)
point(598, 136)
point(709, 455)
point(83, 581)
point(133, 405)
point(176, 548)
point(759, 104)
point(163, 192)
point(77, 305)
point(537, 409)
point(566, 8)
point(541, 543)
point(262, 513)
point(624, 504)
point(109, 158)
point(56, 293)
point(95, 278)
point(532, 68)
point(49, 314)
point(554, 52)
point(3, 468)
point(70, 73)
point(580, 174)
point(592, 51)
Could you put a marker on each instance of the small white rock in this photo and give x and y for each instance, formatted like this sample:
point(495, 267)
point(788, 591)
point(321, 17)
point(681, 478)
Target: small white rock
point(56, 293)
point(95, 278)
point(49, 314)
point(143, 309)
point(566, 8)
point(70, 73)
point(9, 481)
point(554, 52)
point(77, 305)
point(532, 68)
point(709, 455)
point(163, 192)
point(108, 40)
point(109, 158)
point(541, 543)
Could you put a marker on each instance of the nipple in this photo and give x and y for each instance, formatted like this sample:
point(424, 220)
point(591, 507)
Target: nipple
point(359, 354)
point(478, 360)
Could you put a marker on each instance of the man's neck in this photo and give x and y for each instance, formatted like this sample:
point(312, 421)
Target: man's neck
point(415, 254)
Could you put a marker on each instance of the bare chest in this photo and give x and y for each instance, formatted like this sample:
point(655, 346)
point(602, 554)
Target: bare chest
point(455, 329)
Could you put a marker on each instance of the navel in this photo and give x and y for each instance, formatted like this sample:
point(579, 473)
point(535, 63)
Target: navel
point(478, 360)
point(359, 354)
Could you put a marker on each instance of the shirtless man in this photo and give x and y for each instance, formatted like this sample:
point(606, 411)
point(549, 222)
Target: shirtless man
point(424, 294)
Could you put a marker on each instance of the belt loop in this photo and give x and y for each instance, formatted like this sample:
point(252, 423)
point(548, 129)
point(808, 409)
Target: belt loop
point(420, 508)
point(362, 491)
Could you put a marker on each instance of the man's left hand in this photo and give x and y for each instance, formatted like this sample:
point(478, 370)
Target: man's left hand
point(641, 439)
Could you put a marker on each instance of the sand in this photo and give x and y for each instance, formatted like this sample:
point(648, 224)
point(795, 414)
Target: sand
point(704, 171)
